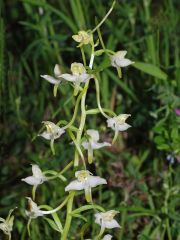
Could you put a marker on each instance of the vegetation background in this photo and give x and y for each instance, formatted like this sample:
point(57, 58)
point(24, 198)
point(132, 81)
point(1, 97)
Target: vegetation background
point(142, 169)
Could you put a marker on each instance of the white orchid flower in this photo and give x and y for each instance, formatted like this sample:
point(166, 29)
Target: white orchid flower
point(83, 37)
point(54, 80)
point(107, 237)
point(85, 181)
point(6, 225)
point(37, 178)
point(119, 123)
point(106, 220)
point(51, 133)
point(79, 75)
point(34, 210)
point(119, 60)
point(93, 143)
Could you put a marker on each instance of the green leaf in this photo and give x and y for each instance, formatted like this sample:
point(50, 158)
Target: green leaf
point(52, 224)
point(151, 70)
point(163, 147)
point(49, 7)
point(122, 85)
point(159, 140)
point(79, 216)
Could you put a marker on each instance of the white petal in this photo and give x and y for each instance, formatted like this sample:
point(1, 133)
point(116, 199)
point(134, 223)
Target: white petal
point(111, 224)
point(36, 171)
point(74, 185)
point(51, 79)
point(58, 133)
point(110, 122)
point(45, 135)
point(95, 181)
point(96, 145)
point(107, 237)
point(123, 127)
point(57, 70)
point(121, 54)
point(98, 218)
point(34, 209)
point(53, 131)
point(84, 77)
point(32, 180)
point(69, 77)
point(124, 62)
point(94, 134)
point(123, 116)
point(85, 145)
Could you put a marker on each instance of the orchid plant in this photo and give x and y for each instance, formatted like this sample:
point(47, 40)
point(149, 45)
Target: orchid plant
point(82, 76)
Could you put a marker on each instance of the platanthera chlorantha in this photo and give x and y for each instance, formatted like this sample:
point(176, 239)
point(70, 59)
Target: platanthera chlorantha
point(85, 141)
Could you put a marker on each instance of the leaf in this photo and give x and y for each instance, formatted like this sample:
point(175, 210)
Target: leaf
point(79, 216)
point(52, 224)
point(63, 16)
point(159, 140)
point(163, 147)
point(151, 70)
point(55, 217)
point(122, 85)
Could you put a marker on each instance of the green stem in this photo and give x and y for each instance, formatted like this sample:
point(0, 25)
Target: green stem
point(105, 17)
point(52, 146)
point(98, 98)
point(83, 56)
point(58, 208)
point(83, 112)
point(166, 211)
point(68, 216)
point(96, 110)
point(34, 192)
point(67, 167)
point(123, 219)
point(75, 110)
point(100, 234)
point(115, 136)
point(82, 123)
point(168, 229)
point(77, 145)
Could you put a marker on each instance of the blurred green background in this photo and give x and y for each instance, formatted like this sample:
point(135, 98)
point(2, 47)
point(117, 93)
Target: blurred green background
point(142, 184)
